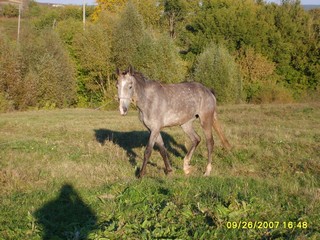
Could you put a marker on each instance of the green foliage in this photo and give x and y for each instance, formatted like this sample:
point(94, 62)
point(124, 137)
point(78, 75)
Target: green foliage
point(174, 11)
point(93, 52)
point(49, 75)
point(129, 34)
point(48, 17)
point(282, 33)
point(67, 29)
point(216, 69)
point(9, 10)
point(11, 84)
point(260, 82)
point(196, 208)
point(5, 104)
point(223, 21)
point(151, 11)
point(110, 6)
point(267, 93)
point(155, 56)
point(158, 59)
point(38, 73)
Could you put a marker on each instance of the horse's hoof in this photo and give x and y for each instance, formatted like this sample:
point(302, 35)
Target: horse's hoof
point(139, 173)
point(208, 170)
point(167, 171)
point(187, 171)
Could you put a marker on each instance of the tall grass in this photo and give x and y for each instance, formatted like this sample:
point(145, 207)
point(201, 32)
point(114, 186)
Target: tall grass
point(70, 174)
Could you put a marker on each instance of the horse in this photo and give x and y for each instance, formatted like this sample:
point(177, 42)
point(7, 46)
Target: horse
point(166, 105)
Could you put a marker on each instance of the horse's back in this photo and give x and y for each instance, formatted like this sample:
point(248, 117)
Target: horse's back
point(183, 101)
point(190, 91)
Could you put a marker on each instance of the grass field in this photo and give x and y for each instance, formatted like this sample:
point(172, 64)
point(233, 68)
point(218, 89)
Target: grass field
point(70, 174)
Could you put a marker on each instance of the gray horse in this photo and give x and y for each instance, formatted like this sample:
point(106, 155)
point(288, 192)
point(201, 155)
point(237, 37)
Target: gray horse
point(166, 105)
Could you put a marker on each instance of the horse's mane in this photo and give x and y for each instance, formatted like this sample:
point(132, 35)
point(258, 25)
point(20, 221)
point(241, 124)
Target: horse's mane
point(143, 79)
point(140, 77)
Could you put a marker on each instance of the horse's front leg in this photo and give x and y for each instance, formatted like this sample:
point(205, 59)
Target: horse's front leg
point(152, 139)
point(164, 154)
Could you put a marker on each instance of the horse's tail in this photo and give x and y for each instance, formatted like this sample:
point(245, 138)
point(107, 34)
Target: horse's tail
point(218, 130)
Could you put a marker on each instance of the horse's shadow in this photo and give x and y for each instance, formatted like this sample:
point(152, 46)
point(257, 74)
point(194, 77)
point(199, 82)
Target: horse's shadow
point(136, 139)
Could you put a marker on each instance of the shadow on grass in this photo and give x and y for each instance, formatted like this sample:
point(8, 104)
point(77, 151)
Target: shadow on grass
point(66, 217)
point(137, 139)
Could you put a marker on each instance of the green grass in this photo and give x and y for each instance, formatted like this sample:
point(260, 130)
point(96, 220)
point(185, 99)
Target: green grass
point(70, 174)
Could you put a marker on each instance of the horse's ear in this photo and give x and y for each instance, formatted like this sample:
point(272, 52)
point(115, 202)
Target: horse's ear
point(118, 71)
point(130, 70)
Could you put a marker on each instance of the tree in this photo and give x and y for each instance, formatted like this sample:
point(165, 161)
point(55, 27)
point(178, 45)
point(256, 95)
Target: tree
point(36, 73)
point(292, 50)
point(260, 81)
point(174, 10)
point(151, 12)
point(49, 77)
point(255, 67)
point(111, 6)
point(128, 35)
point(93, 54)
point(10, 75)
point(153, 54)
point(313, 67)
point(159, 59)
point(216, 69)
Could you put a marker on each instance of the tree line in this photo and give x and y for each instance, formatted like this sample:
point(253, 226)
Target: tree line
point(247, 51)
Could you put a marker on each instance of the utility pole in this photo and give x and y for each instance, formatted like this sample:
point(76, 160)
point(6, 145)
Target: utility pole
point(84, 14)
point(19, 20)
point(19, 3)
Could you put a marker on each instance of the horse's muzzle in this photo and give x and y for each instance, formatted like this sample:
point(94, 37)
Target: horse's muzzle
point(123, 111)
point(124, 106)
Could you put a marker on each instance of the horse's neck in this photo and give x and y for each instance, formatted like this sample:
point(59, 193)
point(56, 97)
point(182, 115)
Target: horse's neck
point(141, 96)
point(139, 92)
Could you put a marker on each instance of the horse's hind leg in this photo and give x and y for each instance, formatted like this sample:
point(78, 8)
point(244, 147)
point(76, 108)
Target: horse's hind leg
point(164, 154)
point(206, 123)
point(195, 139)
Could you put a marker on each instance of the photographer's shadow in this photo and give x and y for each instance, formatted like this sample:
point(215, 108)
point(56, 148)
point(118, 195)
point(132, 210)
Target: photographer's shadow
point(136, 139)
point(66, 217)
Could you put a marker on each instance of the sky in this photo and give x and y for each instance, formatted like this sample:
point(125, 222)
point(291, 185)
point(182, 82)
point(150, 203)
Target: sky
point(91, 2)
point(304, 2)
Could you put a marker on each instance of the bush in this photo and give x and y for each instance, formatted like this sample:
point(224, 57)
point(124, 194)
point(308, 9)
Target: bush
point(128, 35)
point(159, 59)
point(5, 104)
point(49, 77)
point(10, 74)
point(268, 93)
point(9, 10)
point(216, 69)
point(156, 57)
point(92, 49)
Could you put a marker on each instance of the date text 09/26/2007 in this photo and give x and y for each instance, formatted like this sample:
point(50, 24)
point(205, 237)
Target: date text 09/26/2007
point(266, 225)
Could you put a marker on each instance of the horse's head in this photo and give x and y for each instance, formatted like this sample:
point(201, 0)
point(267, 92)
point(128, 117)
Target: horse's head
point(125, 89)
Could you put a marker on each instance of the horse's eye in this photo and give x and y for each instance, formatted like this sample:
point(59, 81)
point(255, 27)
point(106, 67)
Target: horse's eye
point(130, 86)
